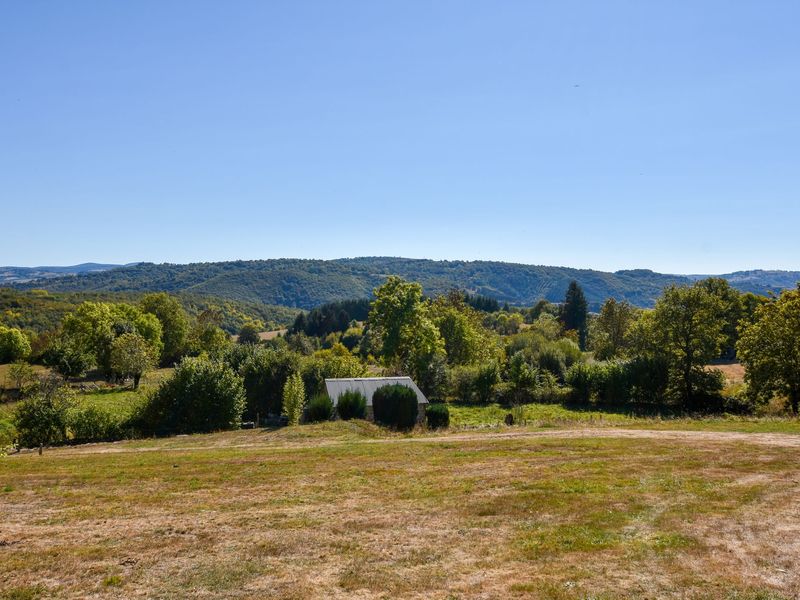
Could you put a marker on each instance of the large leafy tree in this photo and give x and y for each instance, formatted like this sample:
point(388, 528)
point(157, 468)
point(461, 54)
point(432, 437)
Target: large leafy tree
point(132, 356)
point(13, 345)
point(465, 338)
point(174, 324)
point(730, 310)
point(207, 336)
point(688, 329)
point(610, 330)
point(574, 313)
point(769, 348)
point(93, 327)
point(400, 319)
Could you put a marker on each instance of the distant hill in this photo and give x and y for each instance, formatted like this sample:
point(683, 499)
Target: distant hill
point(308, 283)
point(759, 281)
point(9, 275)
point(39, 310)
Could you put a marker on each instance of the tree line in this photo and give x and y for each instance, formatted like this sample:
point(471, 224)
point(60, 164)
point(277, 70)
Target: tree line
point(622, 355)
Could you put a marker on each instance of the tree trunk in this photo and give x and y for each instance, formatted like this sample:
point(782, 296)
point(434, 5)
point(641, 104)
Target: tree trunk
point(794, 398)
point(136, 379)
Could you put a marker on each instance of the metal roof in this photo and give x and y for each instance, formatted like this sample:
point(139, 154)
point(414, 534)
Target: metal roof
point(368, 385)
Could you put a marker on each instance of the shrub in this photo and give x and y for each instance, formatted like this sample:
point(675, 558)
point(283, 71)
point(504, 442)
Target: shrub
point(552, 359)
point(320, 408)
point(570, 351)
point(42, 418)
point(90, 423)
point(265, 373)
point(580, 378)
point(351, 405)
point(21, 376)
point(612, 383)
point(461, 383)
point(437, 415)
point(474, 383)
point(202, 395)
point(395, 406)
point(648, 378)
point(487, 378)
point(294, 398)
point(7, 435)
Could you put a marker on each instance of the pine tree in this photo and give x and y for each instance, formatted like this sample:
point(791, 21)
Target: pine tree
point(574, 314)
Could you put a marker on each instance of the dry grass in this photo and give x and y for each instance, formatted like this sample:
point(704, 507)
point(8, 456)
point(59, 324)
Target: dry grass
point(340, 511)
point(733, 371)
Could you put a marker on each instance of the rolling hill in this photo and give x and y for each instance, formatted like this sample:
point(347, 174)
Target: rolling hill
point(308, 283)
point(10, 275)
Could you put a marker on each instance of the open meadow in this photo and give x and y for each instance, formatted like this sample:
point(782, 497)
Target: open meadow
point(347, 510)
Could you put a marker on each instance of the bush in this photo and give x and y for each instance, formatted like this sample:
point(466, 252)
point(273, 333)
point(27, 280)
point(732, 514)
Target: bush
point(437, 415)
point(395, 406)
point(202, 395)
point(612, 383)
point(320, 408)
point(7, 435)
point(580, 378)
point(351, 405)
point(265, 373)
point(90, 423)
point(648, 378)
point(42, 418)
point(552, 359)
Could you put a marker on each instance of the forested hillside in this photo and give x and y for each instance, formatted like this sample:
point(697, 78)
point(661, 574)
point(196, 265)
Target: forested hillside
point(309, 283)
point(39, 310)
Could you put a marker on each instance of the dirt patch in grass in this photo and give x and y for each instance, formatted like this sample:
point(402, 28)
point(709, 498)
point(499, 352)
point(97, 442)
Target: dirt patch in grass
point(339, 513)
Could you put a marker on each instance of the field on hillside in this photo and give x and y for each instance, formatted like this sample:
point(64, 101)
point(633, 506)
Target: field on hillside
point(345, 510)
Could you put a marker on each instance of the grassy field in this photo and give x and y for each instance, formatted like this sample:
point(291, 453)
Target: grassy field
point(559, 416)
point(343, 510)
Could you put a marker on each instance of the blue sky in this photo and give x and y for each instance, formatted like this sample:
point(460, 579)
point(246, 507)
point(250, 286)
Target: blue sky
point(607, 135)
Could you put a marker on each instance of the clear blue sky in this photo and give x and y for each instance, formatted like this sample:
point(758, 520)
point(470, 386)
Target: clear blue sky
point(608, 135)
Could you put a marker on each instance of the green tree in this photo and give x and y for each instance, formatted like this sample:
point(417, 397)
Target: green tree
point(731, 310)
point(609, 331)
point(174, 324)
point(294, 398)
point(769, 349)
point(265, 374)
point(207, 336)
point(689, 330)
point(93, 326)
point(13, 345)
point(67, 357)
point(132, 356)
point(248, 334)
point(401, 323)
point(460, 326)
point(21, 375)
point(574, 313)
point(336, 362)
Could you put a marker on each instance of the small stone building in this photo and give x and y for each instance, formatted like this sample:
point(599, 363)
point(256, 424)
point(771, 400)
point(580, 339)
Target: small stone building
point(367, 387)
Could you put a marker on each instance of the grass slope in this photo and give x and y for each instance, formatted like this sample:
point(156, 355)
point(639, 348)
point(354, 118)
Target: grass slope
point(339, 511)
